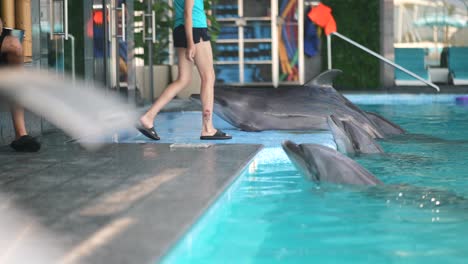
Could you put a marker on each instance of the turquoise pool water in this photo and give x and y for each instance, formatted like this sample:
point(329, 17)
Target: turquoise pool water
point(271, 214)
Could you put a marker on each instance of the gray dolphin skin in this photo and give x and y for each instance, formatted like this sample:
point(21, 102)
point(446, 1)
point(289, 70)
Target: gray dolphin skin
point(342, 140)
point(388, 128)
point(361, 140)
point(323, 164)
point(304, 107)
point(351, 139)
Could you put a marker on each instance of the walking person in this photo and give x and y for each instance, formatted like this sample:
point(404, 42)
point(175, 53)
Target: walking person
point(11, 55)
point(192, 43)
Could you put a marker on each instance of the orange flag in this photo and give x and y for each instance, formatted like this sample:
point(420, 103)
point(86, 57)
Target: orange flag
point(322, 17)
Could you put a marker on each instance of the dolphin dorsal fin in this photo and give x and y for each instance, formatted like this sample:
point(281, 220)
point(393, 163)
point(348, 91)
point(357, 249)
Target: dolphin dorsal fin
point(325, 79)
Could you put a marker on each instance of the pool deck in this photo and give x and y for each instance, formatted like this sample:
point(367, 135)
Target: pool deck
point(125, 203)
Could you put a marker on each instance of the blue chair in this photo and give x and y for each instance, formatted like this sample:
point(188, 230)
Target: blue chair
point(412, 59)
point(458, 65)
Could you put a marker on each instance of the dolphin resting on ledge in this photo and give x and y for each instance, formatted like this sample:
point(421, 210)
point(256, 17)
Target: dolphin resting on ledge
point(304, 107)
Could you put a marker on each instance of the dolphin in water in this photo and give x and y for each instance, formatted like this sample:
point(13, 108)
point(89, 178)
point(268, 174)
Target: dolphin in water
point(341, 138)
point(351, 139)
point(304, 107)
point(323, 164)
point(389, 128)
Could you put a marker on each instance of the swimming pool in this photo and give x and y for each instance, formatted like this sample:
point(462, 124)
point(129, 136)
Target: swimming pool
point(271, 214)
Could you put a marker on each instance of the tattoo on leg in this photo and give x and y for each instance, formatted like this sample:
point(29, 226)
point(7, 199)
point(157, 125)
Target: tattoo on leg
point(207, 115)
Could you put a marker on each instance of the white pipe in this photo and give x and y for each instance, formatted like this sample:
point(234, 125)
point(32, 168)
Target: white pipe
point(153, 25)
point(51, 19)
point(329, 52)
point(387, 60)
point(301, 41)
point(274, 43)
point(124, 23)
point(66, 19)
point(73, 56)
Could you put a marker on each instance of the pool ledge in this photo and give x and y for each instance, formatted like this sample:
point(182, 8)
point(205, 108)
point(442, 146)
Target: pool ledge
point(126, 203)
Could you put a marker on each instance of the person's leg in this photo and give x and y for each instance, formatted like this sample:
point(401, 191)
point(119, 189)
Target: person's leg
point(17, 114)
point(14, 55)
point(183, 79)
point(204, 62)
point(23, 142)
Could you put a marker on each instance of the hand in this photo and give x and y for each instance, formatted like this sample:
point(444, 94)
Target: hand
point(190, 52)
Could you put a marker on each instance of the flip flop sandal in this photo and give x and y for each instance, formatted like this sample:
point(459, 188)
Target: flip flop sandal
point(26, 144)
point(148, 132)
point(219, 135)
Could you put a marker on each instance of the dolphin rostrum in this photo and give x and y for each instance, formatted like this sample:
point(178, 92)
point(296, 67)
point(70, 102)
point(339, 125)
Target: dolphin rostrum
point(342, 140)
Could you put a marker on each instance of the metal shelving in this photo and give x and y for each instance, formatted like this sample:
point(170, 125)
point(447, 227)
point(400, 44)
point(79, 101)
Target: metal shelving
point(247, 47)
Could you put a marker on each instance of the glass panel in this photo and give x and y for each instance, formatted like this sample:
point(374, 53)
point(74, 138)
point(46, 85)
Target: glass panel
point(51, 49)
point(99, 41)
point(254, 52)
point(228, 31)
point(288, 42)
point(424, 34)
point(257, 30)
point(258, 8)
point(226, 9)
point(227, 52)
point(122, 45)
point(58, 16)
point(227, 73)
point(254, 73)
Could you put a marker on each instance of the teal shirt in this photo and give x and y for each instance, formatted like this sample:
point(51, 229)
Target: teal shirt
point(198, 14)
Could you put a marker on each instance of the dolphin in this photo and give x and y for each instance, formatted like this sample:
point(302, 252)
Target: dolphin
point(342, 140)
point(389, 128)
point(361, 140)
point(304, 107)
point(351, 139)
point(323, 164)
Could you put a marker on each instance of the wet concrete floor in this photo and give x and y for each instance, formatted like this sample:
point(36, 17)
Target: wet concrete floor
point(125, 203)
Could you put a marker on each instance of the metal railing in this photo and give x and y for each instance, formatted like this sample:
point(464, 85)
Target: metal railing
point(329, 54)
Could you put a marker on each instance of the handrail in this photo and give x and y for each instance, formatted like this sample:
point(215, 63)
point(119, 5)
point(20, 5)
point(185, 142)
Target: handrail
point(70, 36)
point(380, 57)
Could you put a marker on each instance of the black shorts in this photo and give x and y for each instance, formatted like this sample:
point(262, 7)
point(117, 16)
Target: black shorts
point(180, 40)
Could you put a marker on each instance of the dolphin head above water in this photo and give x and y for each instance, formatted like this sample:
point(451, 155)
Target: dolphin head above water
point(342, 140)
point(322, 164)
point(350, 138)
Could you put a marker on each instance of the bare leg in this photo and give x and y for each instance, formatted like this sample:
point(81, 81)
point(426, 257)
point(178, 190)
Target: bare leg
point(14, 52)
point(184, 78)
point(204, 62)
point(17, 114)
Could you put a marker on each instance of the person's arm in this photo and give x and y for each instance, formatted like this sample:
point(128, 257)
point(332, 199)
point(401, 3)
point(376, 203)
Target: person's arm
point(188, 23)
